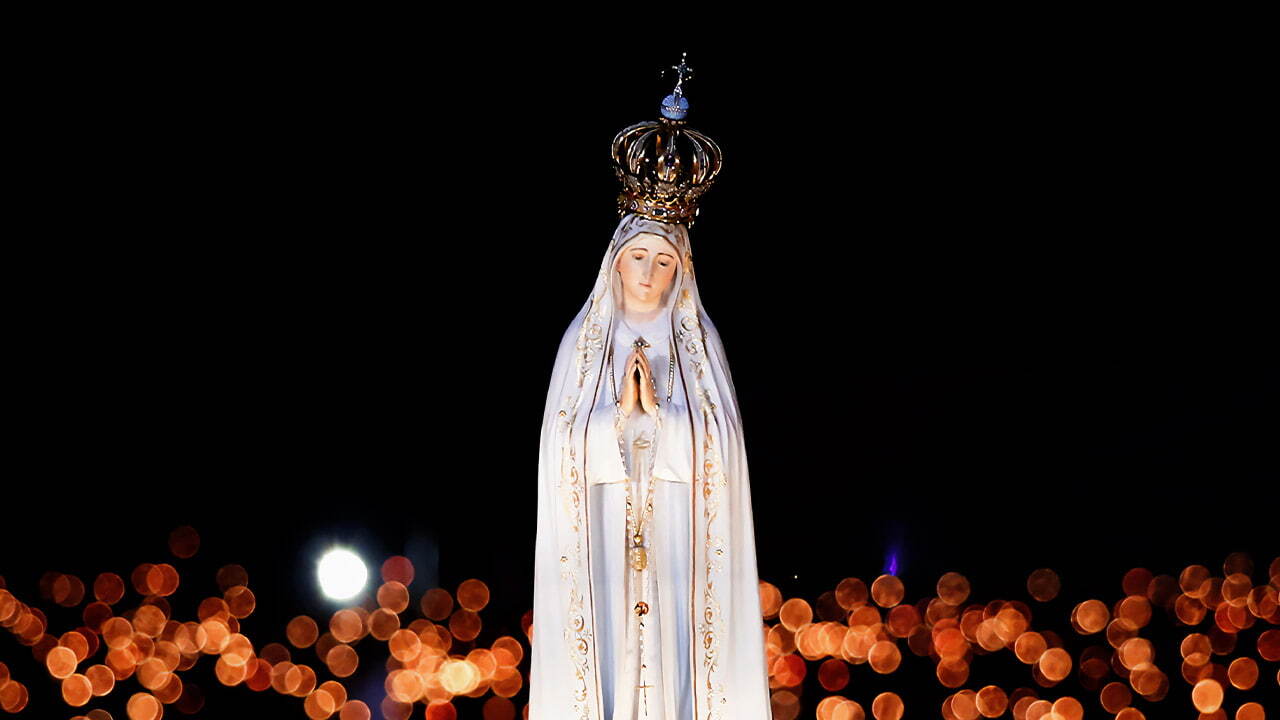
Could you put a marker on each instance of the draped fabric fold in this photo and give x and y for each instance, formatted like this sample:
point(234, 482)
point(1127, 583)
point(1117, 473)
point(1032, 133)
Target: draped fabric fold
point(702, 502)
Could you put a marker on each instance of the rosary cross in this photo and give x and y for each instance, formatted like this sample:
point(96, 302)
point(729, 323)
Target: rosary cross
point(645, 695)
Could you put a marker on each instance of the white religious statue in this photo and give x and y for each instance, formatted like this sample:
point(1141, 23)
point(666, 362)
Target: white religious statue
point(646, 594)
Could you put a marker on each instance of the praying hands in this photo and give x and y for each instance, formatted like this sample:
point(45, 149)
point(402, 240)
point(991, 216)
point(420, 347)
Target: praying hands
point(638, 387)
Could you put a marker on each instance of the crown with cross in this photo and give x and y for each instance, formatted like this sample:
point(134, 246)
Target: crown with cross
point(664, 165)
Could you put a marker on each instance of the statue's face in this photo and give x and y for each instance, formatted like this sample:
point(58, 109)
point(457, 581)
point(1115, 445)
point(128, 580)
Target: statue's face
point(647, 266)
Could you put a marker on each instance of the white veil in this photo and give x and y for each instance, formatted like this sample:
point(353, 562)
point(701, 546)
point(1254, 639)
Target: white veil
point(730, 681)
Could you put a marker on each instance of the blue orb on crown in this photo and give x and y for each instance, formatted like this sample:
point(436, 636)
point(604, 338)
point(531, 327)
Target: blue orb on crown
point(675, 107)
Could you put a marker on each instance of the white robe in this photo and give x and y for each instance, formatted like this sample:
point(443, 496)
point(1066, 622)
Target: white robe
point(661, 644)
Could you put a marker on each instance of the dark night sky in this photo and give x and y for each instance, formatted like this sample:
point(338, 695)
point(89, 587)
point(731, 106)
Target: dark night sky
point(991, 308)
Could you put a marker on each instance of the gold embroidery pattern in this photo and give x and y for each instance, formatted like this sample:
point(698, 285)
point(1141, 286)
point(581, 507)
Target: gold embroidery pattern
point(713, 482)
point(590, 343)
point(578, 633)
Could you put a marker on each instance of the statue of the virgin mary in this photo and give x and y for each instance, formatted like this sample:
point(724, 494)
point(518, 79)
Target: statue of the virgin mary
point(646, 594)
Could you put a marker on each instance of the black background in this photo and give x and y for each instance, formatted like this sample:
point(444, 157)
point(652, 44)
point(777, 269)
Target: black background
point(991, 304)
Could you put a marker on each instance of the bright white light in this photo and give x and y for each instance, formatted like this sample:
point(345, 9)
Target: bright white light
point(342, 574)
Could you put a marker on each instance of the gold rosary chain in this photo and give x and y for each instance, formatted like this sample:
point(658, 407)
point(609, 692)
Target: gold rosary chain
point(636, 528)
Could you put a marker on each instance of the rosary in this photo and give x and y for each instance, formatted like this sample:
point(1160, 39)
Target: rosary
point(637, 555)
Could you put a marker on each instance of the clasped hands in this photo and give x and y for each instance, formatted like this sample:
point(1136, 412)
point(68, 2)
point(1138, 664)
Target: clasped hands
point(638, 385)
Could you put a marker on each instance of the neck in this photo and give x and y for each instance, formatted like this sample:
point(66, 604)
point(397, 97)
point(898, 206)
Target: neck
point(641, 315)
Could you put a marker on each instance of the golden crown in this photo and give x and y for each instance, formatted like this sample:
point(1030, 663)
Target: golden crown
point(665, 166)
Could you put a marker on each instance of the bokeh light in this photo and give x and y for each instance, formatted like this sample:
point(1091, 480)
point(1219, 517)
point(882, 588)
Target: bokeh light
point(438, 649)
point(342, 574)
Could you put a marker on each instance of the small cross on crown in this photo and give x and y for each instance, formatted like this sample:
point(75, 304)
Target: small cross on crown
point(683, 72)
